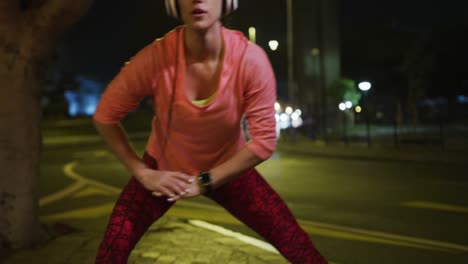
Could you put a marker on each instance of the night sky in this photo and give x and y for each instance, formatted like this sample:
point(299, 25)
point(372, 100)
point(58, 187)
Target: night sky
point(377, 35)
point(114, 30)
point(374, 35)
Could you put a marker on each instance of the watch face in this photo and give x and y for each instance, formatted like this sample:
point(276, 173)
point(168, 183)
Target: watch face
point(205, 177)
point(205, 180)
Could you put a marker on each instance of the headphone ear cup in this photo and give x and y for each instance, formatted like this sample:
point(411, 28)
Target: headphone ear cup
point(171, 8)
point(230, 6)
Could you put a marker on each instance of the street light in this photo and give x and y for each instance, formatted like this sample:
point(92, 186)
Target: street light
point(273, 45)
point(277, 107)
point(348, 104)
point(299, 112)
point(253, 34)
point(343, 107)
point(290, 53)
point(365, 87)
point(284, 117)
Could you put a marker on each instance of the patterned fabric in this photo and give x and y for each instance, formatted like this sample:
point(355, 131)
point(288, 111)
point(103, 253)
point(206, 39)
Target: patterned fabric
point(251, 199)
point(135, 211)
point(248, 197)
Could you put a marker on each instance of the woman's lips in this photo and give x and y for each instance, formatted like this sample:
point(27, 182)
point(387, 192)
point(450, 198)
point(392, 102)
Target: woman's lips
point(197, 13)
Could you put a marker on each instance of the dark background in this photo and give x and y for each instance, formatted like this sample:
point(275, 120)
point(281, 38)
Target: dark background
point(374, 35)
point(414, 52)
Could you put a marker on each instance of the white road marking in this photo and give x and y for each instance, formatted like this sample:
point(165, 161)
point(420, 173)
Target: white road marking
point(226, 232)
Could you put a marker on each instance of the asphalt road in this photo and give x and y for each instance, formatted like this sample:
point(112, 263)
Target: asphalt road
point(355, 211)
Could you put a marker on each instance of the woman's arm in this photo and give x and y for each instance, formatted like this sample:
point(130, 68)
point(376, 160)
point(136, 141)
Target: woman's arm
point(115, 137)
point(168, 183)
point(241, 162)
point(259, 101)
point(122, 95)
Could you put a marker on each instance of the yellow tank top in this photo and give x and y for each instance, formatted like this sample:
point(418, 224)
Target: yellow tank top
point(204, 102)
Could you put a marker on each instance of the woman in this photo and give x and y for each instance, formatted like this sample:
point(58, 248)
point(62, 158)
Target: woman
point(203, 79)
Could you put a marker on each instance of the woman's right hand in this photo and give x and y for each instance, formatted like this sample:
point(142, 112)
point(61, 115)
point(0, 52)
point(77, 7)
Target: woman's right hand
point(168, 183)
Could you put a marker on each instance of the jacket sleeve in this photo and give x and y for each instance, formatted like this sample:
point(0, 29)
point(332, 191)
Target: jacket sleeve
point(259, 99)
point(128, 88)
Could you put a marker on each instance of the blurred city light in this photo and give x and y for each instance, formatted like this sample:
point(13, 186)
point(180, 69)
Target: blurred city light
point(358, 109)
point(298, 111)
point(290, 118)
point(348, 104)
point(273, 45)
point(277, 107)
point(253, 34)
point(296, 123)
point(364, 86)
point(284, 125)
point(462, 99)
point(315, 52)
point(342, 106)
point(83, 101)
point(294, 116)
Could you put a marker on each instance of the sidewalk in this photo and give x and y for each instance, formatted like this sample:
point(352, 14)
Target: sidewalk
point(360, 151)
point(169, 240)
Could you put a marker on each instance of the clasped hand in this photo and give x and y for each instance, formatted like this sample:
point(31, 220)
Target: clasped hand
point(174, 185)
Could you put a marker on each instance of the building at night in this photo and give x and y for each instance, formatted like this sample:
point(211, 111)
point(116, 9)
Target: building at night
point(315, 51)
point(316, 56)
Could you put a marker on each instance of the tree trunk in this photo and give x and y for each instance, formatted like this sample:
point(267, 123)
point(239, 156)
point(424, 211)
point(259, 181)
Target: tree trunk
point(19, 155)
point(20, 137)
point(26, 38)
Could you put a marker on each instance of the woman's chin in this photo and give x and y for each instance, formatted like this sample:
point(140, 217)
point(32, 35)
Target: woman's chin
point(200, 26)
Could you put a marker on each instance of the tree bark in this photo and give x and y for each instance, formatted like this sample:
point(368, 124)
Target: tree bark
point(26, 39)
point(9, 10)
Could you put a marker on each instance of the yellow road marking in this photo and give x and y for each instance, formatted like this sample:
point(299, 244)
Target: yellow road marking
point(90, 191)
point(69, 171)
point(81, 182)
point(62, 193)
point(377, 236)
point(101, 153)
point(437, 206)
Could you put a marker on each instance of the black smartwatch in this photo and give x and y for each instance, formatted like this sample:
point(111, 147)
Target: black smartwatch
point(205, 181)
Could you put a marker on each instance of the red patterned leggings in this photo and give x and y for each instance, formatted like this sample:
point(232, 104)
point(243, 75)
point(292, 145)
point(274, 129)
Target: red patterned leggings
point(248, 197)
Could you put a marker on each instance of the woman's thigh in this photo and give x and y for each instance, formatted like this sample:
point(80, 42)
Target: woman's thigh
point(134, 212)
point(253, 201)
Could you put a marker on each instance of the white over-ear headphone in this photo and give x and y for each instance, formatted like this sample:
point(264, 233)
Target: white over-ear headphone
point(172, 7)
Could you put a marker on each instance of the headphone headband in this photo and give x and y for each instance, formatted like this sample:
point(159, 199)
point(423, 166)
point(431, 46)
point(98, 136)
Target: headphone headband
point(172, 7)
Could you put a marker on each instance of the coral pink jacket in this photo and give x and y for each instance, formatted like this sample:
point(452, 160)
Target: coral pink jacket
point(198, 137)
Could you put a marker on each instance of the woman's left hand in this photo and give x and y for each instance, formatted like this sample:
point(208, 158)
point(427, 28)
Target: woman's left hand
point(194, 190)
